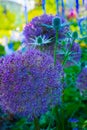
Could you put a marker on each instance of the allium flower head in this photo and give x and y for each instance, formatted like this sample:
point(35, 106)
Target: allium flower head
point(82, 80)
point(35, 28)
point(29, 83)
point(75, 35)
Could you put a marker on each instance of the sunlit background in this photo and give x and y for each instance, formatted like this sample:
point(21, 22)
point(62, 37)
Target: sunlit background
point(14, 14)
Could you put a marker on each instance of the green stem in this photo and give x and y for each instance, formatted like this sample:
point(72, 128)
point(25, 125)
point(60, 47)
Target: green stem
point(55, 47)
point(65, 59)
point(59, 116)
point(41, 48)
point(36, 124)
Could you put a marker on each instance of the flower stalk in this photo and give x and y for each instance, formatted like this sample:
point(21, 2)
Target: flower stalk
point(55, 47)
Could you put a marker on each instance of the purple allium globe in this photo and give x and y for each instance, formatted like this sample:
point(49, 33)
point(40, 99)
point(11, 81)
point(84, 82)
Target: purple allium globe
point(35, 28)
point(82, 80)
point(29, 83)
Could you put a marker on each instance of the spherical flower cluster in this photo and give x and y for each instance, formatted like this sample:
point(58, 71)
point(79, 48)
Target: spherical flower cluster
point(82, 80)
point(29, 83)
point(35, 28)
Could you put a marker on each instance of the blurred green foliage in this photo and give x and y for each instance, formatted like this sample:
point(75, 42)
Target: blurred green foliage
point(16, 45)
point(8, 22)
point(50, 8)
point(2, 50)
point(7, 19)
